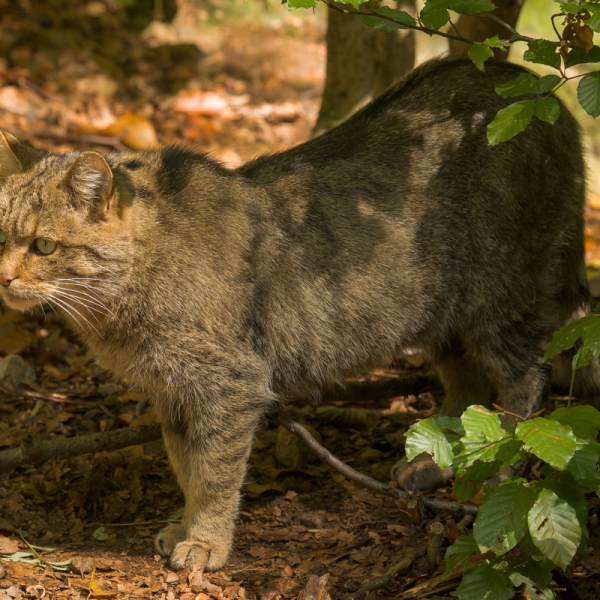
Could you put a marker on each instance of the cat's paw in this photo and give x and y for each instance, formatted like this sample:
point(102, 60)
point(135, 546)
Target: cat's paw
point(210, 555)
point(168, 538)
point(421, 473)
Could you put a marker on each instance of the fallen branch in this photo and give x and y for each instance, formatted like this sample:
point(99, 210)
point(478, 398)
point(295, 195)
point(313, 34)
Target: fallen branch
point(365, 480)
point(75, 446)
point(382, 389)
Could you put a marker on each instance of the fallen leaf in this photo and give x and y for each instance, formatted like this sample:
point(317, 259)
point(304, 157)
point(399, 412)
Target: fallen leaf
point(13, 338)
point(133, 130)
point(200, 103)
point(95, 589)
point(7, 545)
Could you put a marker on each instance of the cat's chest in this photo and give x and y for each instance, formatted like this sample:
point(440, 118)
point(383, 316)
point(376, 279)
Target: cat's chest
point(123, 359)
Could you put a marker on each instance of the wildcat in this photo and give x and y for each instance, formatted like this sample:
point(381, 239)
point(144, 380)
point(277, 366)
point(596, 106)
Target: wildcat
point(220, 292)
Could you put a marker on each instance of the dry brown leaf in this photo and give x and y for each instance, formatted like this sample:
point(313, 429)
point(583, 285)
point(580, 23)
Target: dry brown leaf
point(579, 35)
point(95, 589)
point(13, 338)
point(200, 103)
point(134, 131)
point(8, 546)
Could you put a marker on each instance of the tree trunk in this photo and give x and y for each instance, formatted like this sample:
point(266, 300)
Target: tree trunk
point(361, 64)
point(479, 28)
point(394, 55)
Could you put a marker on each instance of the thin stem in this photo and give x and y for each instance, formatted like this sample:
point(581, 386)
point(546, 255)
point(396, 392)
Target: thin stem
point(365, 480)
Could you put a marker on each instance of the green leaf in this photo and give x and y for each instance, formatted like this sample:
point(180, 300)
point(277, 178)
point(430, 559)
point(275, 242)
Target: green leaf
point(434, 14)
point(482, 424)
point(578, 56)
point(470, 7)
point(458, 554)
point(548, 440)
point(294, 4)
point(570, 8)
point(502, 518)
point(567, 489)
point(583, 420)
point(479, 53)
point(525, 83)
point(469, 479)
point(543, 52)
point(382, 24)
point(536, 578)
point(483, 582)
point(588, 93)
point(566, 336)
point(583, 357)
point(584, 463)
point(510, 121)
point(496, 42)
point(485, 439)
point(554, 528)
point(547, 83)
point(100, 534)
point(433, 436)
point(547, 109)
point(594, 22)
point(398, 15)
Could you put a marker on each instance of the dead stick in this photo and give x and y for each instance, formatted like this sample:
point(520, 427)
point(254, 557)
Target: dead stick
point(382, 389)
point(365, 480)
point(75, 446)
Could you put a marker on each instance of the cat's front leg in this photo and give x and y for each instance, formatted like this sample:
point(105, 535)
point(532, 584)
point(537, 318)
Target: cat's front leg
point(209, 460)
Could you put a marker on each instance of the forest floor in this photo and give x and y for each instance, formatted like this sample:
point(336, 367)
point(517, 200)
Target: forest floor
point(76, 76)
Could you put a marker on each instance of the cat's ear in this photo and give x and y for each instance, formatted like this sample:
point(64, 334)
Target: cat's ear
point(90, 181)
point(9, 163)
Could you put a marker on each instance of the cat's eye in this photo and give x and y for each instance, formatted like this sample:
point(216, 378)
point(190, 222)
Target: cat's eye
point(2, 238)
point(45, 246)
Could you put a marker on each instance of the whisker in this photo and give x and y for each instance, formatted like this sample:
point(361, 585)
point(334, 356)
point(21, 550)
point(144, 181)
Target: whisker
point(81, 295)
point(68, 308)
point(97, 290)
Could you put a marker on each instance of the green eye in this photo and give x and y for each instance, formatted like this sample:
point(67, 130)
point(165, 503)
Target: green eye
point(2, 238)
point(45, 246)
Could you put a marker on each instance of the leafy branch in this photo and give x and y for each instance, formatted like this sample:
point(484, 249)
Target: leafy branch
point(546, 519)
point(573, 46)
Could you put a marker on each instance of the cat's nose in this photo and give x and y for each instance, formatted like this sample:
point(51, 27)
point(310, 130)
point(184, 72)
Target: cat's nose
point(6, 278)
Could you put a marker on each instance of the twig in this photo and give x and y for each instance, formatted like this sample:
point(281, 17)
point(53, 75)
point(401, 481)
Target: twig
point(53, 397)
point(500, 21)
point(458, 37)
point(365, 480)
point(79, 138)
point(83, 444)
point(134, 524)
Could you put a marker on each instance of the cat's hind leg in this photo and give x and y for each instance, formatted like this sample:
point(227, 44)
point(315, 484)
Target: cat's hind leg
point(464, 384)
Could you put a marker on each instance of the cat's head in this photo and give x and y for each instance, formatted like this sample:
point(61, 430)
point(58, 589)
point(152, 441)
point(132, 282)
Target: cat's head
point(61, 229)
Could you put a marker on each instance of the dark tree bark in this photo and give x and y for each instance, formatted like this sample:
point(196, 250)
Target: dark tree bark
point(479, 28)
point(361, 64)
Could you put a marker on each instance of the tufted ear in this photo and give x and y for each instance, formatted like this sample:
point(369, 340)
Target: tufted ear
point(9, 163)
point(90, 181)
